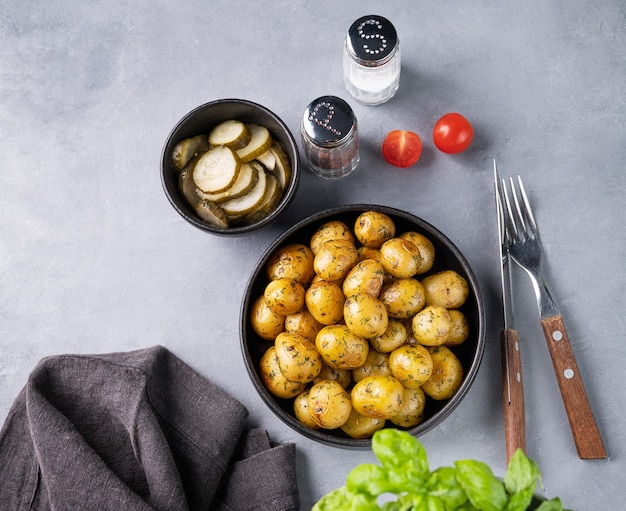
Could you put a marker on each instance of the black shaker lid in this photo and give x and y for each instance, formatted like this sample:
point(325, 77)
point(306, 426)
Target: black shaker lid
point(328, 120)
point(372, 40)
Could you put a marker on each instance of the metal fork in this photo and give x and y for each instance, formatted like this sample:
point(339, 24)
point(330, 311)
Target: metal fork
point(526, 250)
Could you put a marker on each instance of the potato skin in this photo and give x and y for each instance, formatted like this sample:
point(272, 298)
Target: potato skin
point(412, 412)
point(329, 404)
point(274, 380)
point(303, 323)
point(447, 374)
point(284, 296)
point(400, 257)
point(360, 426)
point(431, 326)
point(340, 348)
point(394, 337)
point(411, 365)
point(302, 411)
point(334, 259)
point(425, 247)
point(331, 230)
point(379, 397)
point(459, 332)
point(365, 315)
point(325, 300)
point(366, 276)
point(375, 364)
point(341, 376)
point(446, 288)
point(298, 359)
point(265, 323)
point(294, 261)
point(403, 298)
point(373, 228)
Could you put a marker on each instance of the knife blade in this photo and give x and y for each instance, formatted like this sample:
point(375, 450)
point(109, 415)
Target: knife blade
point(512, 383)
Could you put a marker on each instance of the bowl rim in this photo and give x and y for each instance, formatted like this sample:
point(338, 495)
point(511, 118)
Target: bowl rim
point(320, 435)
point(288, 193)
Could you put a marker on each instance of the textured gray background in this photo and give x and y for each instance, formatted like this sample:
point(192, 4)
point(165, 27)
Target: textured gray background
point(94, 259)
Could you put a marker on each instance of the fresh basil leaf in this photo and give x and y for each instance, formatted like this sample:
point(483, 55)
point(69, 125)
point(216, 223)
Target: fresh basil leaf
point(551, 505)
point(521, 500)
point(403, 456)
point(521, 474)
point(336, 500)
point(443, 484)
point(483, 489)
point(368, 478)
point(419, 502)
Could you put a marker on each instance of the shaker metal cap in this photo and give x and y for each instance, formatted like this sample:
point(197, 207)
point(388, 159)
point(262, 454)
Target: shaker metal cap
point(328, 121)
point(372, 40)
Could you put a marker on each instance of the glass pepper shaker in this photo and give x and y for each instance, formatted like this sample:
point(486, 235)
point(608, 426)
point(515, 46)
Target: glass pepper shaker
point(371, 60)
point(330, 137)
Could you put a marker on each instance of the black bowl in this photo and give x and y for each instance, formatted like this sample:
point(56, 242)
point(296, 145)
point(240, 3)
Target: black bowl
point(201, 120)
point(447, 257)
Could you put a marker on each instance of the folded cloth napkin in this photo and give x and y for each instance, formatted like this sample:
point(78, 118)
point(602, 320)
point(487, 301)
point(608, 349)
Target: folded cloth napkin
point(136, 431)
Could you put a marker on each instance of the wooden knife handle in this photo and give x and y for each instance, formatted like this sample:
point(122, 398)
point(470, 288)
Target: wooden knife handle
point(512, 393)
point(582, 422)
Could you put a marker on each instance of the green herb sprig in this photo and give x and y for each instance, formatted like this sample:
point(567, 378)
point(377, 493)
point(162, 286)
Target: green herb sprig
point(403, 482)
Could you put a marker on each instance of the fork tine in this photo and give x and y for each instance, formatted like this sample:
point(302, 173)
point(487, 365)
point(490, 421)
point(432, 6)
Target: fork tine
point(527, 209)
point(509, 220)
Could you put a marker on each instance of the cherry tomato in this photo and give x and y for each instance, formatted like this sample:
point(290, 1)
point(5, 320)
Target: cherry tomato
point(402, 148)
point(453, 133)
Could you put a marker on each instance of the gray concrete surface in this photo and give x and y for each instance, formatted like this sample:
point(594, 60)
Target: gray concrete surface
point(93, 258)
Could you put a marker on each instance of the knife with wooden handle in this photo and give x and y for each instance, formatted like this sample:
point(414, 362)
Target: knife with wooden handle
point(512, 383)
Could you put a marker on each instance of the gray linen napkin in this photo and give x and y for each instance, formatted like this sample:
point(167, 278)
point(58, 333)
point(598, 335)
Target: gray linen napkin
point(136, 431)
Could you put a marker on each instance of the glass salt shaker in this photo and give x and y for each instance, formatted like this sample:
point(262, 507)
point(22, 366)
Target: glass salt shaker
point(371, 60)
point(330, 137)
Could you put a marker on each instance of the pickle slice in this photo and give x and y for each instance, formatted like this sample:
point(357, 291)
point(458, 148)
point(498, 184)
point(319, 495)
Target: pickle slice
point(234, 134)
point(260, 142)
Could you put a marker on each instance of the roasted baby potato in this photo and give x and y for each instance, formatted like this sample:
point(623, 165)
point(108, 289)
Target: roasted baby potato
point(324, 300)
point(334, 259)
point(376, 364)
point(412, 412)
point(360, 426)
point(284, 296)
point(425, 247)
point(266, 323)
point(373, 228)
point(331, 230)
point(431, 326)
point(394, 337)
point(366, 276)
point(447, 289)
point(341, 376)
point(365, 315)
point(411, 365)
point(274, 380)
point(400, 257)
point(379, 397)
point(329, 404)
point(460, 329)
point(294, 261)
point(340, 348)
point(302, 411)
point(303, 323)
point(447, 374)
point(298, 359)
point(403, 298)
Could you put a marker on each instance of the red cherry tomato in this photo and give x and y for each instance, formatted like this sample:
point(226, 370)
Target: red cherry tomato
point(402, 148)
point(453, 133)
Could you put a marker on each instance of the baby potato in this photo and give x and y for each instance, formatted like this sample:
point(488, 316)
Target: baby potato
point(360, 426)
point(303, 323)
point(403, 298)
point(412, 412)
point(265, 323)
point(447, 289)
point(340, 348)
point(379, 397)
point(431, 326)
point(411, 365)
point(298, 359)
point(368, 253)
point(334, 259)
point(375, 364)
point(394, 337)
point(294, 261)
point(460, 329)
point(373, 228)
point(400, 257)
point(365, 315)
point(341, 376)
point(329, 404)
point(302, 411)
point(324, 300)
point(274, 380)
point(366, 276)
point(331, 230)
point(447, 374)
point(284, 296)
point(425, 247)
